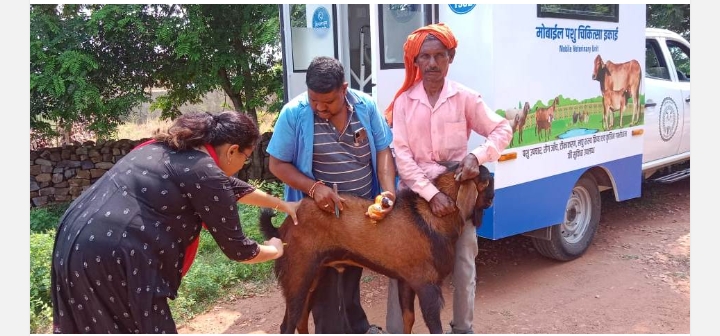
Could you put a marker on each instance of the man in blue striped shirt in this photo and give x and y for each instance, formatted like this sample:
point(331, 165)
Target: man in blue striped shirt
point(332, 134)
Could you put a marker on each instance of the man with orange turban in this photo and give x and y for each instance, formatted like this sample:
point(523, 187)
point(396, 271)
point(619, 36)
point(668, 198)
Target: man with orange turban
point(432, 118)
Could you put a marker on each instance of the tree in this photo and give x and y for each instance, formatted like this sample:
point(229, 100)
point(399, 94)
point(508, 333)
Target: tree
point(233, 47)
point(94, 63)
point(90, 64)
point(671, 17)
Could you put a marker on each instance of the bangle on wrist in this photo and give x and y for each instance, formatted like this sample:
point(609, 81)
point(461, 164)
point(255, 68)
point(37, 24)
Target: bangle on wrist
point(311, 192)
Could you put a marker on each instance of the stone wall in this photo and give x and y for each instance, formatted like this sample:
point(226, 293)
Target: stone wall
point(61, 174)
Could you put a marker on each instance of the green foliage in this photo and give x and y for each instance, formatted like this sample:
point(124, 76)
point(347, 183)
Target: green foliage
point(43, 222)
point(298, 16)
point(46, 218)
point(41, 246)
point(276, 189)
point(675, 18)
point(233, 47)
point(88, 64)
point(94, 63)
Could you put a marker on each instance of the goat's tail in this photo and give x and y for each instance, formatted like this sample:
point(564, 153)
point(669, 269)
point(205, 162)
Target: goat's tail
point(266, 226)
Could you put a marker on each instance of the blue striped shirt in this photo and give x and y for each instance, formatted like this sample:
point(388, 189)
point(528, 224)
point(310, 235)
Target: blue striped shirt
point(337, 158)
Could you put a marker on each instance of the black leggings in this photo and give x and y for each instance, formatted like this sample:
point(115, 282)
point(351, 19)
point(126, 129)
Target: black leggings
point(326, 304)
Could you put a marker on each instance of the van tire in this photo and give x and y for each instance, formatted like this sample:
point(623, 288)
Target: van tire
point(570, 239)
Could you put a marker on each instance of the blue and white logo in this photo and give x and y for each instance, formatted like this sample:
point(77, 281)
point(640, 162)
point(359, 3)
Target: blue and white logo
point(321, 21)
point(461, 8)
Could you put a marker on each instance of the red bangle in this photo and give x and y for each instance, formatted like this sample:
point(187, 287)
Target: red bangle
point(311, 192)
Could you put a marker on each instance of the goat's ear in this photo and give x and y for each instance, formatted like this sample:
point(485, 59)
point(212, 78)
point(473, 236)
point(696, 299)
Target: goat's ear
point(483, 178)
point(486, 190)
point(485, 186)
point(467, 198)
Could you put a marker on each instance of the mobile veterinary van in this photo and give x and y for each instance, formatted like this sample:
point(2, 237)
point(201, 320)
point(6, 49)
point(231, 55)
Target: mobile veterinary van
point(597, 101)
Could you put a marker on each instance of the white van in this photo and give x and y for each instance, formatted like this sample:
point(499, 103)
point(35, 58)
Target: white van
point(592, 110)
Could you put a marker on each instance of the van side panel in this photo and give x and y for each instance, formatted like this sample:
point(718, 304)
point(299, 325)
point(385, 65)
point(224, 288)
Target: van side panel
point(540, 203)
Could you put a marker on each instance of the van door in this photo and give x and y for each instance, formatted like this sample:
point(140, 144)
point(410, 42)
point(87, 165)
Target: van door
point(307, 31)
point(392, 24)
point(357, 53)
point(679, 54)
point(664, 103)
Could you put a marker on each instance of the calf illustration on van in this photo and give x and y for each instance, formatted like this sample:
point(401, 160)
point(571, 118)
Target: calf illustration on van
point(618, 82)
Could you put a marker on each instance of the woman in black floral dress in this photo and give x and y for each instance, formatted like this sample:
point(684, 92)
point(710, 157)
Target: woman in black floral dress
point(123, 246)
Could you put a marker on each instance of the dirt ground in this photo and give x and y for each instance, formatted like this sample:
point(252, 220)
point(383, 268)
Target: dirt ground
point(635, 278)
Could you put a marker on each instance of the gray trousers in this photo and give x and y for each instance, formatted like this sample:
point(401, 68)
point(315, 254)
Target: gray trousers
point(463, 279)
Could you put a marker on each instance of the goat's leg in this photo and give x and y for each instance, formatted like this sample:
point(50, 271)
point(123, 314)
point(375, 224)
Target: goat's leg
point(302, 326)
point(283, 325)
point(341, 296)
point(294, 304)
point(407, 305)
point(431, 302)
point(297, 281)
point(520, 134)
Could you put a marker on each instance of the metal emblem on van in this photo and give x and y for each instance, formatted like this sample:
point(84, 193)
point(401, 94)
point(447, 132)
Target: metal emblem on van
point(669, 116)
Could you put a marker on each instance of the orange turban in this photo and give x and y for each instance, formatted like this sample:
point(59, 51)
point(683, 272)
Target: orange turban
point(411, 48)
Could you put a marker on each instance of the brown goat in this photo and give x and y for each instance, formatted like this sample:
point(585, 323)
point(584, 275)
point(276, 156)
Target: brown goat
point(523, 119)
point(410, 244)
point(543, 119)
point(517, 120)
point(624, 77)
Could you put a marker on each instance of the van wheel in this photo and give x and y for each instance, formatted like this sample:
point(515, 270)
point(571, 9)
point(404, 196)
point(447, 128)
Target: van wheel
point(571, 238)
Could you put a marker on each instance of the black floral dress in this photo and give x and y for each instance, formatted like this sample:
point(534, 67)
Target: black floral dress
point(120, 246)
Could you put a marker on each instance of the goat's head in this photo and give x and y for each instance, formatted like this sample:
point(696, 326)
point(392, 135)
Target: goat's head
point(471, 196)
point(526, 108)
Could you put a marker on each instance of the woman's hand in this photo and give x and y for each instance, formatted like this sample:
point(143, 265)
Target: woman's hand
point(290, 208)
point(277, 243)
